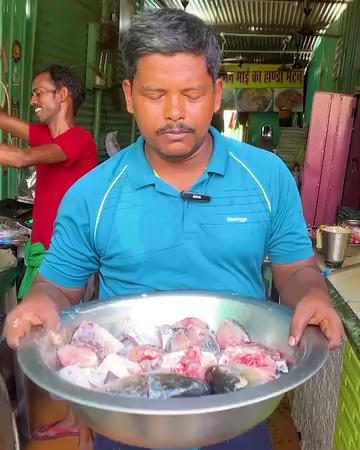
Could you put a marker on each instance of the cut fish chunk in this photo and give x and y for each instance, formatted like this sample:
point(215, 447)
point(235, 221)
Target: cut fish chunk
point(191, 362)
point(98, 338)
point(76, 354)
point(250, 355)
point(119, 366)
point(230, 333)
point(88, 378)
point(147, 356)
point(184, 323)
point(224, 379)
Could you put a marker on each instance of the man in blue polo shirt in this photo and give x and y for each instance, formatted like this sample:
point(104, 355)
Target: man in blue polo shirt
point(183, 207)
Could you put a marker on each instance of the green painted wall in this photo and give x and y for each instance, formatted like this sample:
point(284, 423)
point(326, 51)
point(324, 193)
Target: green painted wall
point(320, 74)
point(256, 121)
point(17, 22)
point(61, 37)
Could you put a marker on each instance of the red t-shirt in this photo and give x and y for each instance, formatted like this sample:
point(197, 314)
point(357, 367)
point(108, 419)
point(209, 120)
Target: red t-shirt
point(53, 180)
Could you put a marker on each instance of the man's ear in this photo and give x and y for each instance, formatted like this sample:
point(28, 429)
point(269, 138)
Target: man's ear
point(218, 93)
point(126, 85)
point(63, 93)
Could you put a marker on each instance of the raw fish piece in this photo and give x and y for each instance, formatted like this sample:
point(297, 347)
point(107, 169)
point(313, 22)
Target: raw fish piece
point(204, 339)
point(127, 343)
point(119, 366)
point(231, 333)
point(191, 336)
point(76, 354)
point(163, 386)
point(250, 355)
point(142, 334)
point(147, 356)
point(158, 386)
point(98, 338)
point(224, 379)
point(165, 335)
point(254, 375)
point(281, 366)
point(179, 340)
point(132, 386)
point(184, 323)
point(75, 375)
point(191, 362)
point(88, 378)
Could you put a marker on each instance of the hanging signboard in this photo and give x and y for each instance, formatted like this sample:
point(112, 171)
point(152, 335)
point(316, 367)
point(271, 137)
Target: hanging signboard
point(261, 76)
point(261, 88)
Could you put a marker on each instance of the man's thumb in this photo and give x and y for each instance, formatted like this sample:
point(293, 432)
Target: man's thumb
point(298, 324)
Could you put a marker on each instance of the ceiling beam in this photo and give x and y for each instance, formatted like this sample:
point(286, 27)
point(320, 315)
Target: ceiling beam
point(334, 2)
point(266, 34)
point(305, 50)
point(255, 34)
point(227, 28)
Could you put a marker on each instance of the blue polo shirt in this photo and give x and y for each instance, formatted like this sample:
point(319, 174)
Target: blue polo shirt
point(136, 230)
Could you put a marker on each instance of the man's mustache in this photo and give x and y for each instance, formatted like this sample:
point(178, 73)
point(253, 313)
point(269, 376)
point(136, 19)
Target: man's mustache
point(176, 129)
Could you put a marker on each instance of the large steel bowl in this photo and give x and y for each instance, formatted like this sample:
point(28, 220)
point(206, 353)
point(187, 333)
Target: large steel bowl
point(182, 422)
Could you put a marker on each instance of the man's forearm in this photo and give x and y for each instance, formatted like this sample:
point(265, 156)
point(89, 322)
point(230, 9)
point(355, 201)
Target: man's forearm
point(302, 282)
point(48, 292)
point(14, 125)
point(13, 156)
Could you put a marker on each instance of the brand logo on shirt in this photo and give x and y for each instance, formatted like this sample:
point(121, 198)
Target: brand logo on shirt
point(230, 219)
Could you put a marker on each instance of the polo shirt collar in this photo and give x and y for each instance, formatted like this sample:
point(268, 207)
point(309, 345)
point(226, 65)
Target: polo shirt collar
point(220, 154)
point(141, 173)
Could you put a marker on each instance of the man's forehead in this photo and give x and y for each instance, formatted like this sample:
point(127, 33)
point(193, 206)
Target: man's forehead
point(43, 79)
point(159, 66)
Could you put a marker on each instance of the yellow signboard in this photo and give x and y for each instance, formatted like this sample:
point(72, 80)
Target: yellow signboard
point(261, 76)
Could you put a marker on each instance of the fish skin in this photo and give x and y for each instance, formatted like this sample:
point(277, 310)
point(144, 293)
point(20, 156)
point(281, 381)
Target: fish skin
point(223, 379)
point(158, 386)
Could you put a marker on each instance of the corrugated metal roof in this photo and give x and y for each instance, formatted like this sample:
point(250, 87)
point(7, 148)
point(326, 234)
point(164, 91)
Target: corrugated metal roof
point(264, 16)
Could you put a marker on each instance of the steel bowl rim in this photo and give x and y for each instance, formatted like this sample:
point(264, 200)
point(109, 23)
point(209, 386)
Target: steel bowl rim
point(47, 379)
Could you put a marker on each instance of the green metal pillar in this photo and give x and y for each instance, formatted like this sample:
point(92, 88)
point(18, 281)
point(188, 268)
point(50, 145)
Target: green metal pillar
point(18, 21)
point(97, 114)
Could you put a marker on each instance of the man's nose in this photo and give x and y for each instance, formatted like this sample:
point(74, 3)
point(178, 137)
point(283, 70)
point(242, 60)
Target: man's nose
point(174, 108)
point(33, 99)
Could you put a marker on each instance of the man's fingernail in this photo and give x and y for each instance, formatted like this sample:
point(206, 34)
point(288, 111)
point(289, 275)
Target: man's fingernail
point(292, 341)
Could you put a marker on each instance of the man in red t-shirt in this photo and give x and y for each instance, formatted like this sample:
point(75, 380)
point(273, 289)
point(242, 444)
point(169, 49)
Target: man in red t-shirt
point(61, 151)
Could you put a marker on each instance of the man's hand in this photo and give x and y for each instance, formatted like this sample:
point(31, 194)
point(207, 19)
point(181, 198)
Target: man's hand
point(302, 287)
point(35, 311)
point(316, 310)
point(40, 307)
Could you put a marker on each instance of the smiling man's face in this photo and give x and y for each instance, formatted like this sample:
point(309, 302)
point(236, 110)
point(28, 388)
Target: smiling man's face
point(45, 99)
